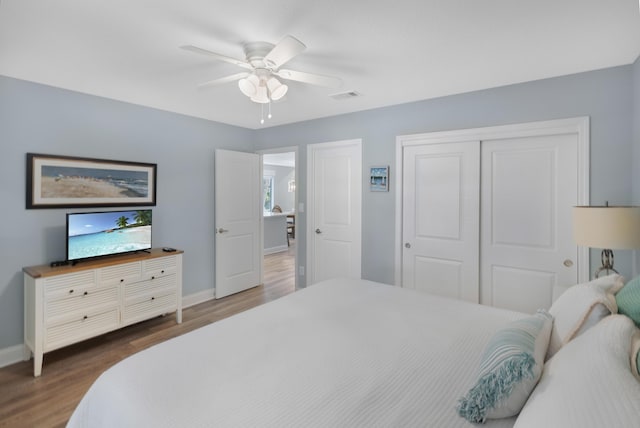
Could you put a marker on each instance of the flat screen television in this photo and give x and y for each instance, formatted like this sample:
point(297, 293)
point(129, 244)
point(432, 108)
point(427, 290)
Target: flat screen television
point(98, 234)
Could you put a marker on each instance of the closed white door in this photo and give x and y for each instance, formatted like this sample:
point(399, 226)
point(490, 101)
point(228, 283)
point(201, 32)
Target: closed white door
point(441, 219)
point(529, 175)
point(529, 186)
point(238, 212)
point(335, 201)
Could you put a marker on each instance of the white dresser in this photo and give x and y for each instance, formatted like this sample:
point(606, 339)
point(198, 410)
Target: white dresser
point(67, 304)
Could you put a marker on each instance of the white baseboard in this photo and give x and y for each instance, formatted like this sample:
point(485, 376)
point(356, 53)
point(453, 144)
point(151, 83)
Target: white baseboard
point(277, 249)
point(195, 298)
point(11, 355)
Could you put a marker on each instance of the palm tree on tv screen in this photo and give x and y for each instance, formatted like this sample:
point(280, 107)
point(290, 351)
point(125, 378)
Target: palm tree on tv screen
point(143, 218)
point(122, 222)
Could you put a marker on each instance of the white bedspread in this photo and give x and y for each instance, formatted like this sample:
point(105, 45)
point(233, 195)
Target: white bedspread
point(343, 353)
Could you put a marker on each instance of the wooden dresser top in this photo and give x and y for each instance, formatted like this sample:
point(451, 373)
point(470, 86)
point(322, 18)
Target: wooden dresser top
point(47, 270)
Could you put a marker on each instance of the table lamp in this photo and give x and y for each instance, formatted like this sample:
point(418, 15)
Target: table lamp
point(607, 227)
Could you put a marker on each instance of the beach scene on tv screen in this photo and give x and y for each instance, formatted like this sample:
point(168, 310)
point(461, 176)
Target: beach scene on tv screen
point(99, 234)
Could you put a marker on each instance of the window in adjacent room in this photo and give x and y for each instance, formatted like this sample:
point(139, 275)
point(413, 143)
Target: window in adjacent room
point(267, 192)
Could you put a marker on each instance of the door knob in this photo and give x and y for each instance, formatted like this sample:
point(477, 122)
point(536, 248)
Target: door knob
point(221, 230)
point(568, 263)
point(407, 245)
point(318, 231)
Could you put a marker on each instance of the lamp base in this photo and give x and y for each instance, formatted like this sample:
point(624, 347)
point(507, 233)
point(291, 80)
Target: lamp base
point(606, 257)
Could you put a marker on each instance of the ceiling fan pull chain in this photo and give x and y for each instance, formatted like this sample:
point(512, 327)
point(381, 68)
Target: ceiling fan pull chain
point(269, 115)
point(261, 113)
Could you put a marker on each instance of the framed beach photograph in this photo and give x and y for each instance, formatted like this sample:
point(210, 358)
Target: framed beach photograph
point(379, 179)
point(72, 182)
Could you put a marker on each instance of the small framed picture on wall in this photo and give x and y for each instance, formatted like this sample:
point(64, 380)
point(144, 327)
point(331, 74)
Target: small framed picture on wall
point(379, 179)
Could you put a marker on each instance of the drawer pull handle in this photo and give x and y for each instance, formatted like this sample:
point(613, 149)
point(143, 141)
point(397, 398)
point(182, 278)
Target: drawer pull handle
point(122, 280)
point(85, 317)
point(86, 293)
point(162, 271)
point(153, 298)
point(153, 277)
point(71, 291)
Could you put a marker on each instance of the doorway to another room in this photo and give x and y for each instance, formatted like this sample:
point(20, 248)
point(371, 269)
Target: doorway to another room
point(279, 200)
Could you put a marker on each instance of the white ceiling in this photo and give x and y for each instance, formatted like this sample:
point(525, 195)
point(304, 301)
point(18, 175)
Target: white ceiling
point(390, 52)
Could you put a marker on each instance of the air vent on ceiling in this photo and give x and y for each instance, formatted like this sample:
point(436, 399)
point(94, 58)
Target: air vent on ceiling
point(345, 95)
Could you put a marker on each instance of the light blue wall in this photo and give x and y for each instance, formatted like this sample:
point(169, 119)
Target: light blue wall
point(41, 119)
point(603, 95)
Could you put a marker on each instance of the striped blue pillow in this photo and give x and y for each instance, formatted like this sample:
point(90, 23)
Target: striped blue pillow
point(510, 367)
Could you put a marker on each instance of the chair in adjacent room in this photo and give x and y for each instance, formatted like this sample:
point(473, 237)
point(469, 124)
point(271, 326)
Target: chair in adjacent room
point(291, 227)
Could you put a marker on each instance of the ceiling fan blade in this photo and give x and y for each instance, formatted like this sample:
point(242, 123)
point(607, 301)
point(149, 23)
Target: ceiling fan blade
point(286, 49)
point(224, 58)
point(223, 80)
point(314, 79)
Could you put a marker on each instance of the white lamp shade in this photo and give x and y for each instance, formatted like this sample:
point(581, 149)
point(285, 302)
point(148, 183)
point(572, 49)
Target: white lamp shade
point(261, 95)
point(276, 89)
point(249, 85)
point(615, 228)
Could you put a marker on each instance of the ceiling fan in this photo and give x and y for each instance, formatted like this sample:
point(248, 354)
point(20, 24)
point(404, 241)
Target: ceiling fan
point(263, 62)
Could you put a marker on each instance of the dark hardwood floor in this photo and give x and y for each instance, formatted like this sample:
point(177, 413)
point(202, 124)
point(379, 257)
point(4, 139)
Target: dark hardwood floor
point(49, 400)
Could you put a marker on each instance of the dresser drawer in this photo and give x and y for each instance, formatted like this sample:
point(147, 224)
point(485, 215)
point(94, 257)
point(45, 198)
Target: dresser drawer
point(146, 287)
point(81, 300)
point(159, 266)
point(64, 285)
point(80, 327)
point(120, 274)
point(149, 306)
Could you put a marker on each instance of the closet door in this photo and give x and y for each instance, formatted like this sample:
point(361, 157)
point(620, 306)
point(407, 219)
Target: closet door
point(441, 219)
point(529, 186)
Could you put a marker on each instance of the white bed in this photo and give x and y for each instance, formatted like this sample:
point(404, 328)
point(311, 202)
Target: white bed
point(343, 353)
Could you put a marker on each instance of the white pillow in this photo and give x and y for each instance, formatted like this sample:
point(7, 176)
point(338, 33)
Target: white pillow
point(581, 307)
point(635, 355)
point(588, 382)
point(510, 367)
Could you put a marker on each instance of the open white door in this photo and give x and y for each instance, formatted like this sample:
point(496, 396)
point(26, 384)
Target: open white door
point(335, 210)
point(238, 212)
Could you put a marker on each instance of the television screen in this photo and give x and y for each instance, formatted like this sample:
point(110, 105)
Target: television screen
point(106, 233)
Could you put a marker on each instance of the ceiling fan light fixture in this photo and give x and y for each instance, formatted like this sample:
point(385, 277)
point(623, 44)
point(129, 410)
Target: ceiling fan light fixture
point(249, 85)
point(263, 60)
point(276, 89)
point(261, 95)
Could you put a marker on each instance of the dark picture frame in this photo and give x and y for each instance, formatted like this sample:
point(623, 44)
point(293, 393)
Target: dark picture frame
point(73, 182)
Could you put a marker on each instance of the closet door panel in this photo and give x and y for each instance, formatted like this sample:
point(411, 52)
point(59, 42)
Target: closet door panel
point(531, 202)
point(438, 276)
point(521, 289)
point(440, 219)
point(527, 192)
